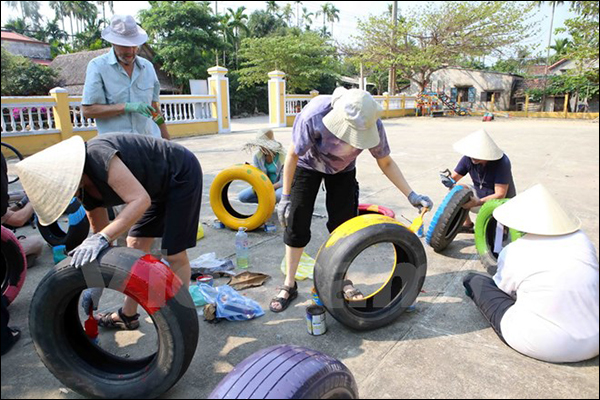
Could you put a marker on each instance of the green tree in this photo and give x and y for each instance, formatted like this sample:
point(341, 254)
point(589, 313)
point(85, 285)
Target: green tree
point(18, 25)
point(307, 18)
point(184, 35)
point(262, 24)
point(111, 7)
point(324, 11)
point(287, 13)
point(22, 77)
point(306, 58)
point(238, 23)
point(30, 10)
point(443, 34)
point(272, 7)
point(583, 29)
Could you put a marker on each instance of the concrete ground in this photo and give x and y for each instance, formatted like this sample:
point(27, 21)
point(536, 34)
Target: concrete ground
point(444, 349)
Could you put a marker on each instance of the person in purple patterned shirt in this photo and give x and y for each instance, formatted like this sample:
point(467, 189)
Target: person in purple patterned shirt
point(328, 136)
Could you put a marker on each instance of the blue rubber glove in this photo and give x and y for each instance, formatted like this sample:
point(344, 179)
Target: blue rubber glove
point(447, 181)
point(283, 210)
point(91, 299)
point(420, 201)
point(140, 108)
point(89, 250)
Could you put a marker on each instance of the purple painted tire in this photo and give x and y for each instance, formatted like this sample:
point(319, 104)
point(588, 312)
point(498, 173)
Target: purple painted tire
point(288, 372)
point(14, 266)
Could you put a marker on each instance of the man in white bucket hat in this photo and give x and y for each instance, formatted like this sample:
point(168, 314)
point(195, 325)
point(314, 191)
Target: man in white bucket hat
point(162, 199)
point(543, 301)
point(121, 89)
point(328, 136)
point(489, 168)
point(269, 159)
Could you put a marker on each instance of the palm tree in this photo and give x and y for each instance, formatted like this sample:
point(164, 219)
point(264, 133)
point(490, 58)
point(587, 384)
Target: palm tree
point(111, 7)
point(298, 3)
point(307, 18)
point(561, 46)
point(29, 10)
point(237, 22)
point(334, 15)
point(554, 4)
point(272, 7)
point(228, 35)
point(324, 12)
point(59, 12)
point(287, 14)
point(18, 25)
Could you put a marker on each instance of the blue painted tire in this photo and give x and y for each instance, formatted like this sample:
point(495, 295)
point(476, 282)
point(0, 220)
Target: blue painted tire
point(288, 372)
point(448, 219)
point(79, 228)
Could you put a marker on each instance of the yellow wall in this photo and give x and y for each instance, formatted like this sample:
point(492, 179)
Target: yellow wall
point(193, 129)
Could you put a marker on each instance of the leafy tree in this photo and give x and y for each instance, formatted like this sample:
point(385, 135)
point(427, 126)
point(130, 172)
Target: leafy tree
point(22, 77)
point(307, 18)
point(443, 35)
point(272, 7)
point(184, 35)
point(261, 24)
point(30, 10)
point(584, 31)
point(18, 25)
point(237, 24)
point(287, 13)
point(305, 58)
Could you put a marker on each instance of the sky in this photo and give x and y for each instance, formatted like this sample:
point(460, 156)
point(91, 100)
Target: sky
point(350, 12)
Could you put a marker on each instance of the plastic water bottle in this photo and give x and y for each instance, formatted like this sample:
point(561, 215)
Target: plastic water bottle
point(241, 248)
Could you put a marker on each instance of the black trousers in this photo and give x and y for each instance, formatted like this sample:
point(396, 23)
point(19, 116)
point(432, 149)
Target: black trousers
point(342, 203)
point(491, 300)
point(7, 337)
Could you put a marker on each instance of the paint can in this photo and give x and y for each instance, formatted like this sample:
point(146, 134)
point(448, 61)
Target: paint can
point(270, 228)
point(218, 224)
point(316, 321)
point(206, 279)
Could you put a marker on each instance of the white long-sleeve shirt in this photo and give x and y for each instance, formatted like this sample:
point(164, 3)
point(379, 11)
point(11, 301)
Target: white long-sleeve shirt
point(555, 282)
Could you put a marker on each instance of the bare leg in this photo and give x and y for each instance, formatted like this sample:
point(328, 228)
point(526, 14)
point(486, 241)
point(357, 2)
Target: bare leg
point(292, 258)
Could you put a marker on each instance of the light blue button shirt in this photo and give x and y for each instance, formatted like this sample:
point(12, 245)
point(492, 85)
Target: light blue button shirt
point(106, 82)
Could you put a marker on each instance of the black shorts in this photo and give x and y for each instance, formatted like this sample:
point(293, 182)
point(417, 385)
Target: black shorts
point(176, 219)
point(342, 203)
point(492, 302)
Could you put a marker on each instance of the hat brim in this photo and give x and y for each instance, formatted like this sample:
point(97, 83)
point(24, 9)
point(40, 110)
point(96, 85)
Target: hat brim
point(270, 145)
point(335, 122)
point(51, 178)
point(134, 41)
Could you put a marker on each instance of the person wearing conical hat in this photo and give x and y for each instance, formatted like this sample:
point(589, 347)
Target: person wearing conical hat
point(490, 170)
point(544, 300)
point(122, 90)
point(162, 199)
point(269, 158)
point(328, 136)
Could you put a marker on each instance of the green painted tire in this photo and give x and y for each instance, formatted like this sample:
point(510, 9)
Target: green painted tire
point(485, 229)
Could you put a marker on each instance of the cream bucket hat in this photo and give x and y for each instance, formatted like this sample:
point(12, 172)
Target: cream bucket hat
point(265, 139)
point(479, 145)
point(124, 31)
point(354, 118)
point(536, 211)
point(52, 176)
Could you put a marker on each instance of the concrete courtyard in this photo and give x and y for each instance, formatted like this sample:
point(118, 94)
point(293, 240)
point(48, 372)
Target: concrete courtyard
point(445, 349)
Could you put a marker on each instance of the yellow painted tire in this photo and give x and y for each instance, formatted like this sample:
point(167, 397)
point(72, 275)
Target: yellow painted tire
point(261, 184)
point(400, 291)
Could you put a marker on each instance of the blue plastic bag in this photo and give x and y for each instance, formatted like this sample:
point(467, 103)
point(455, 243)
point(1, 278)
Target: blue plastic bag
point(232, 306)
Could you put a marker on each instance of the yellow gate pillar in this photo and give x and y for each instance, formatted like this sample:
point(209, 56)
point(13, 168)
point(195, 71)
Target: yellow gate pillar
point(218, 85)
point(62, 112)
point(277, 118)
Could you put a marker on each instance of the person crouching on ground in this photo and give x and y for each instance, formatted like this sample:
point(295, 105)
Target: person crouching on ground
point(543, 301)
point(160, 183)
point(269, 159)
point(328, 136)
point(490, 170)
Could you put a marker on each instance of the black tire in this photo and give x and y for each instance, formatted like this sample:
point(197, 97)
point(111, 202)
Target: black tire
point(401, 290)
point(448, 219)
point(485, 233)
point(85, 368)
point(14, 266)
point(11, 154)
point(288, 372)
point(79, 228)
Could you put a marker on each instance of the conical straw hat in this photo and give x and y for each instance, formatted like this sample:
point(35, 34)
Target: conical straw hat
point(537, 211)
point(265, 139)
point(479, 145)
point(51, 178)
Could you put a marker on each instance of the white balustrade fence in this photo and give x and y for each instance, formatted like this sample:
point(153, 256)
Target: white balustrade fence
point(34, 117)
point(295, 104)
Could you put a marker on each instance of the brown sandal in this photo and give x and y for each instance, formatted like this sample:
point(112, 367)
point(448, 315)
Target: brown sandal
point(126, 323)
point(350, 294)
point(283, 302)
